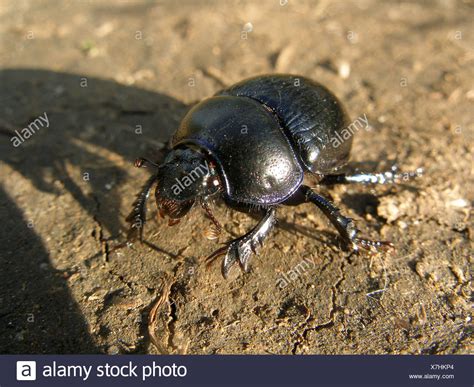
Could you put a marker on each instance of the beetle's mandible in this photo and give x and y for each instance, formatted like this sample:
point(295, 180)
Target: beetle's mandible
point(252, 144)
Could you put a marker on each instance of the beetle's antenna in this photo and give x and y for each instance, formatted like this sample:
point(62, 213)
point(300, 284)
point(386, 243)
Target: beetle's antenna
point(218, 226)
point(142, 162)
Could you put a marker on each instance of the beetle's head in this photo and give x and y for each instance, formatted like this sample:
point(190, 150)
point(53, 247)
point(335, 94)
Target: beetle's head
point(185, 176)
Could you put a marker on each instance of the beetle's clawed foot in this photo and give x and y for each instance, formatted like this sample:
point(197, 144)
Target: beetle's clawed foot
point(350, 233)
point(237, 251)
point(370, 245)
point(396, 176)
point(241, 249)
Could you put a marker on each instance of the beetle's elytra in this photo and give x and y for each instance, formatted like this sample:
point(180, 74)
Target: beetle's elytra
point(251, 144)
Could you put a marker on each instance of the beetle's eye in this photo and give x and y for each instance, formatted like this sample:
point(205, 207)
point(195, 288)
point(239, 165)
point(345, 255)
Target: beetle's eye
point(212, 182)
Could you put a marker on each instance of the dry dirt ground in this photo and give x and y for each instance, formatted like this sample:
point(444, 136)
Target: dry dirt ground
point(116, 78)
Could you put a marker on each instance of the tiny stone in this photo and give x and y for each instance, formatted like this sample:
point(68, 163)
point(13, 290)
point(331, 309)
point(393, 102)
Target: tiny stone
point(344, 69)
point(460, 203)
point(113, 350)
point(248, 27)
point(402, 225)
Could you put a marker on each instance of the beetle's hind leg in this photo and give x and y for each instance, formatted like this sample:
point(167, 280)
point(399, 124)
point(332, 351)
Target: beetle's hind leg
point(137, 216)
point(241, 249)
point(344, 225)
point(387, 177)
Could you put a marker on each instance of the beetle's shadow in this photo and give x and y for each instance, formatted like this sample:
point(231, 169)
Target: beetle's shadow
point(37, 312)
point(96, 129)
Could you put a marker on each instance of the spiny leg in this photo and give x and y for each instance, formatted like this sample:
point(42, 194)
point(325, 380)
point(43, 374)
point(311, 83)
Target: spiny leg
point(241, 249)
point(388, 177)
point(345, 226)
point(137, 217)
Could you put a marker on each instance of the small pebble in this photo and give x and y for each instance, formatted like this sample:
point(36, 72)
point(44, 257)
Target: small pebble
point(248, 27)
point(459, 203)
point(344, 69)
point(113, 350)
point(403, 225)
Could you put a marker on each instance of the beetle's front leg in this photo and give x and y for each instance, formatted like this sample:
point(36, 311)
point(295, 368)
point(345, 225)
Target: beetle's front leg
point(241, 249)
point(137, 216)
point(388, 177)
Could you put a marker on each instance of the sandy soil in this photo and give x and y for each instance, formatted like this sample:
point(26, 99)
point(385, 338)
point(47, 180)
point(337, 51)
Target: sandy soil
point(115, 81)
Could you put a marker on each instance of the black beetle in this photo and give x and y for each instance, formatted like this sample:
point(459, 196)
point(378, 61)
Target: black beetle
point(252, 143)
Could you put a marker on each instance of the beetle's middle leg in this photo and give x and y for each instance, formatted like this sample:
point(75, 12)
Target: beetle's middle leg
point(241, 249)
point(388, 177)
point(344, 225)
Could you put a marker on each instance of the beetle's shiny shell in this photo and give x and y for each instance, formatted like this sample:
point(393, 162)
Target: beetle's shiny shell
point(255, 157)
point(309, 113)
point(264, 132)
